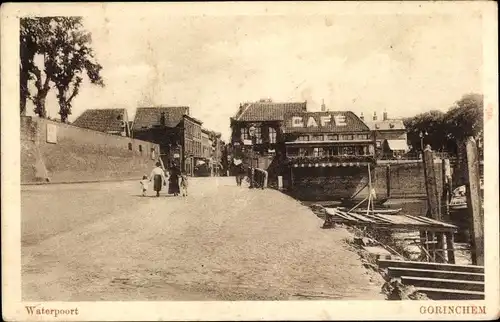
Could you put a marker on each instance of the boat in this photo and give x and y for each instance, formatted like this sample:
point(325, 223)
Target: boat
point(380, 211)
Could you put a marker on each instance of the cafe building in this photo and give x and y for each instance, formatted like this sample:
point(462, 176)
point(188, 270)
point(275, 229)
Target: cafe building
point(327, 152)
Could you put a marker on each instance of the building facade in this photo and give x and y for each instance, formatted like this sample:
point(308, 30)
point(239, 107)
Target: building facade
point(192, 149)
point(327, 154)
point(177, 134)
point(389, 135)
point(266, 118)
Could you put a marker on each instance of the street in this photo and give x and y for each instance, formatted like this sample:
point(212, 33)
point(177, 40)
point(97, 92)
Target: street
point(104, 241)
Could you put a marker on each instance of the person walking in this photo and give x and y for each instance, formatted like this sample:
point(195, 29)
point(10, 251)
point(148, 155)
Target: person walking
point(158, 178)
point(173, 180)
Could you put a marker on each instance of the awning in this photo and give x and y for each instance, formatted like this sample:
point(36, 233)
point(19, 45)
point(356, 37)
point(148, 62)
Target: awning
point(331, 164)
point(397, 145)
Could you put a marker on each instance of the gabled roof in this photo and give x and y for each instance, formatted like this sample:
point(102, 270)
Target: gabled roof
point(148, 117)
point(268, 111)
point(103, 120)
point(386, 125)
point(352, 122)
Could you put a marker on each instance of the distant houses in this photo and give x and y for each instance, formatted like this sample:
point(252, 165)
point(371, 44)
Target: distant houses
point(112, 121)
point(178, 134)
point(389, 135)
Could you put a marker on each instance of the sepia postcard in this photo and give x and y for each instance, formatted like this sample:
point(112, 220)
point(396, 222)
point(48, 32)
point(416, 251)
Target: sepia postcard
point(214, 161)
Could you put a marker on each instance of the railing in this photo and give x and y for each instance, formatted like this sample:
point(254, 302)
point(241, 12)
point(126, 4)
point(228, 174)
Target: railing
point(333, 158)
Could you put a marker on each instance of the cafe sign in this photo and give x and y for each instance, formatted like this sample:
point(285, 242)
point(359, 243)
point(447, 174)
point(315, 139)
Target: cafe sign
point(319, 120)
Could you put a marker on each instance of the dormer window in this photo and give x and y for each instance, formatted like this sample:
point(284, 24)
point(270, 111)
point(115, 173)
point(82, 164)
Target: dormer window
point(391, 125)
point(377, 126)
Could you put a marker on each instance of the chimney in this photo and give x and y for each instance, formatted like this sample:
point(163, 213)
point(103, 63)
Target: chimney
point(374, 116)
point(385, 116)
point(323, 107)
point(362, 117)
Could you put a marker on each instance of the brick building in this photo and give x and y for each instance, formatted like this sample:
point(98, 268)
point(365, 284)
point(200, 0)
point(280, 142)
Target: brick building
point(177, 134)
point(389, 135)
point(111, 121)
point(327, 154)
point(267, 118)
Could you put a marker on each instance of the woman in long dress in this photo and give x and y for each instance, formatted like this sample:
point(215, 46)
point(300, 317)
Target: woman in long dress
point(158, 178)
point(173, 181)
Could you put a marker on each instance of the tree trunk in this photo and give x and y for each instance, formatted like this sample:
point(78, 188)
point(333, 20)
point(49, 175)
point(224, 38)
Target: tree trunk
point(23, 92)
point(64, 105)
point(40, 106)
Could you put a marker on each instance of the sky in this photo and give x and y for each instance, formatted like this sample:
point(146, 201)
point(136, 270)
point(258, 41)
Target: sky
point(404, 64)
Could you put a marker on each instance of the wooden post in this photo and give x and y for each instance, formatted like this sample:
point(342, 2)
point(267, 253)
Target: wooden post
point(474, 203)
point(440, 248)
point(431, 185)
point(445, 211)
point(388, 180)
point(450, 247)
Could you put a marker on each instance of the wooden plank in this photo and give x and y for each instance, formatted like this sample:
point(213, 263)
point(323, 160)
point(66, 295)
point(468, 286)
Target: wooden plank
point(446, 294)
point(433, 273)
point(431, 221)
point(474, 202)
point(434, 266)
point(380, 218)
point(477, 286)
point(333, 212)
point(360, 217)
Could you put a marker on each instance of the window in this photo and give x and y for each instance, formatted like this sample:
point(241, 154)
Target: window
point(258, 134)
point(244, 134)
point(362, 137)
point(360, 150)
point(347, 150)
point(303, 138)
point(346, 137)
point(332, 137)
point(319, 152)
point(317, 137)
point(130, 146)
point(292, 151)
point(140, 148)
point(304, 152)
point(272, 135)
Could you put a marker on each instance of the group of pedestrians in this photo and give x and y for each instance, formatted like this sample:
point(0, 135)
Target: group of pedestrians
point(177, 181)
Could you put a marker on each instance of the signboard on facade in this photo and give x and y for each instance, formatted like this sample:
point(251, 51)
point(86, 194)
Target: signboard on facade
point(176, 155)
point(51, 133)
point(319, 120)
point(247, 142)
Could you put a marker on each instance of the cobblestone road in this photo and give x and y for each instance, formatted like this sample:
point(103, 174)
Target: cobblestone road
point(103, 241)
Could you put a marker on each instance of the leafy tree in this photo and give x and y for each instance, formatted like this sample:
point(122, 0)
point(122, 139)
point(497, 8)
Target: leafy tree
point(66, 51)
point(32, 42)
point(431, 126)
point(465, 117)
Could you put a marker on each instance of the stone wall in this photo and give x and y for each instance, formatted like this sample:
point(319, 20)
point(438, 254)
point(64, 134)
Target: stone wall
point(394, 179)
point(80, 154)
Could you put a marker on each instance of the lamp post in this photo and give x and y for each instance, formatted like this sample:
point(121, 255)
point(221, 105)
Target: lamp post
point(422, 135)
point(251, 133)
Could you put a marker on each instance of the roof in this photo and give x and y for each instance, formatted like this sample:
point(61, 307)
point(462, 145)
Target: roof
point(268, 111)
point(387, 125)
point(192, 119)
point(397, 145)
point(147, 117)
point(102, 120)
point(351, 122)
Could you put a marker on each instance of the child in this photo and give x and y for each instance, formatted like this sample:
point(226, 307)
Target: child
point(184, 184)
point(144, 185)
